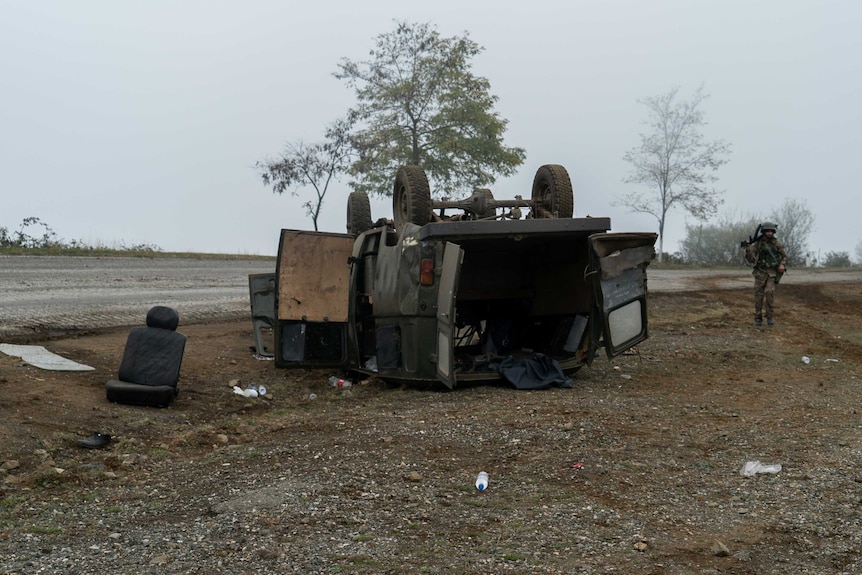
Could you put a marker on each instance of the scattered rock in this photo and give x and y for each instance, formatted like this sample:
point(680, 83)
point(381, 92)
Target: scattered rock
point(268, 554)
point(160, 560)
point(719, 549)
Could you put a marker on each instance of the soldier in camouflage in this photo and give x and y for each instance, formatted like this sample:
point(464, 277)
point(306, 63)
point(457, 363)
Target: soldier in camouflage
point(768, 258)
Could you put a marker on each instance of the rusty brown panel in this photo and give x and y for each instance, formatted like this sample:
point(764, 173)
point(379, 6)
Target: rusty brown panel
point(615, 264)
point(313, 276)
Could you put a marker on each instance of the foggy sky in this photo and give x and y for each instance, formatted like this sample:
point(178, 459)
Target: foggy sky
point(129, 123)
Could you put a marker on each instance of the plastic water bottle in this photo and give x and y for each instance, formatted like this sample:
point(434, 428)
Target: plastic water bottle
point(482, 481)
point(261, 390)
point(338, 382)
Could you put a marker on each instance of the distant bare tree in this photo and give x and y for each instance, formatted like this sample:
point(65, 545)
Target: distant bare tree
point(717, 244)
point(674, 162)
point(314, 165)
point(837, 260)
point(795, 223)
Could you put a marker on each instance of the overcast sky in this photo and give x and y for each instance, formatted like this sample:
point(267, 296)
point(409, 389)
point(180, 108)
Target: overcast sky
point(140, 122)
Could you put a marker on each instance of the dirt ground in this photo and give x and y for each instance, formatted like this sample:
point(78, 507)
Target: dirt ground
point(638, 464)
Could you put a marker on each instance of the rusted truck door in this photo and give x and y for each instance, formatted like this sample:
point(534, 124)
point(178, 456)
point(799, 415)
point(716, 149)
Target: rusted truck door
point(618, 279)
point(453, 257)
point(312, 298)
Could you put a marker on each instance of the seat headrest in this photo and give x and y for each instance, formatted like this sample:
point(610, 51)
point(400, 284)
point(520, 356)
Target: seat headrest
point(163, 317)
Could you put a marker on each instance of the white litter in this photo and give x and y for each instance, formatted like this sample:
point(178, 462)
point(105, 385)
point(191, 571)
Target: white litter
point(245, 392)
point(754, 467)
point(38, 356)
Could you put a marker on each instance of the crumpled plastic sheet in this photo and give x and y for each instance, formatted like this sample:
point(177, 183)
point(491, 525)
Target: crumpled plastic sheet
point(38, 356)
point(752, 468)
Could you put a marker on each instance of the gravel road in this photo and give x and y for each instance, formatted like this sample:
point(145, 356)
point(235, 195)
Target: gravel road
point(46, 294)
point(57, 294)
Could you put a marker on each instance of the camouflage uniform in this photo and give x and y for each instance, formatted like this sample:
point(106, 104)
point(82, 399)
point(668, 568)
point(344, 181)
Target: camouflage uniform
point(766, 254)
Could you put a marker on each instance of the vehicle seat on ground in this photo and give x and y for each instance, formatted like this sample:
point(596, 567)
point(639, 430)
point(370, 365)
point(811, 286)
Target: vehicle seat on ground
point(151, 361)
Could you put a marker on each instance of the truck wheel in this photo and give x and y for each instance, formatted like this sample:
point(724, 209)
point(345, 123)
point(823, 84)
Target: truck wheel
point(553, 188)
point(358, 213)
point(411, 197)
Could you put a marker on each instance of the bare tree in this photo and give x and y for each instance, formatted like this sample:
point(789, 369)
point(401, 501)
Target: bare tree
point(717, 244)
point(837, 260)
point(314, 165)
point(795, 222)
point(674, 162)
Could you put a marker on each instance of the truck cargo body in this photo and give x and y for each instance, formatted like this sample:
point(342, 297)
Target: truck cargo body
point(448, 301)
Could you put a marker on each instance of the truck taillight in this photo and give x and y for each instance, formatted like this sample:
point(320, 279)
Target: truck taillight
point(426, 272)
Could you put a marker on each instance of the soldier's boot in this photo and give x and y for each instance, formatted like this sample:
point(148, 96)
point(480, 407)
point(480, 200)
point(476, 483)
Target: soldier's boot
point(770, 322)
point(758, 321)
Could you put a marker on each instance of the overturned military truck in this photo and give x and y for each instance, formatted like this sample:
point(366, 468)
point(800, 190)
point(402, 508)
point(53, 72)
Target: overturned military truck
point(448, 290)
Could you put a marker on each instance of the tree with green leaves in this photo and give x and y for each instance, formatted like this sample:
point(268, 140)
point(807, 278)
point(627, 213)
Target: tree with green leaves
point(674, 162)
point(419, 103)
point(315, 165)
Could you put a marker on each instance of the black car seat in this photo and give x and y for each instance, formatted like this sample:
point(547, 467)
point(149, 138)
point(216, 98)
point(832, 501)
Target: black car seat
point(151, 362)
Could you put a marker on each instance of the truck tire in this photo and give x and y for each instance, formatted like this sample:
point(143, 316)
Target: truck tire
point(411, 197)
point(553, 188)
point(358, 213)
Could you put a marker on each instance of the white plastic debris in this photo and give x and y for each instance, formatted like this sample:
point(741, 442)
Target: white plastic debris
point(38, 356)
point(806, 360)
point(371, 363)
point(482, 481)
point(250, 392)
point(752, 468)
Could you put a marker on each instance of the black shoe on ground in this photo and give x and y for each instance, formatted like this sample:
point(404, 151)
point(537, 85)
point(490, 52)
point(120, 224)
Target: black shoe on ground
point(758, 322)
point(95, 441)
point(769, 322)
